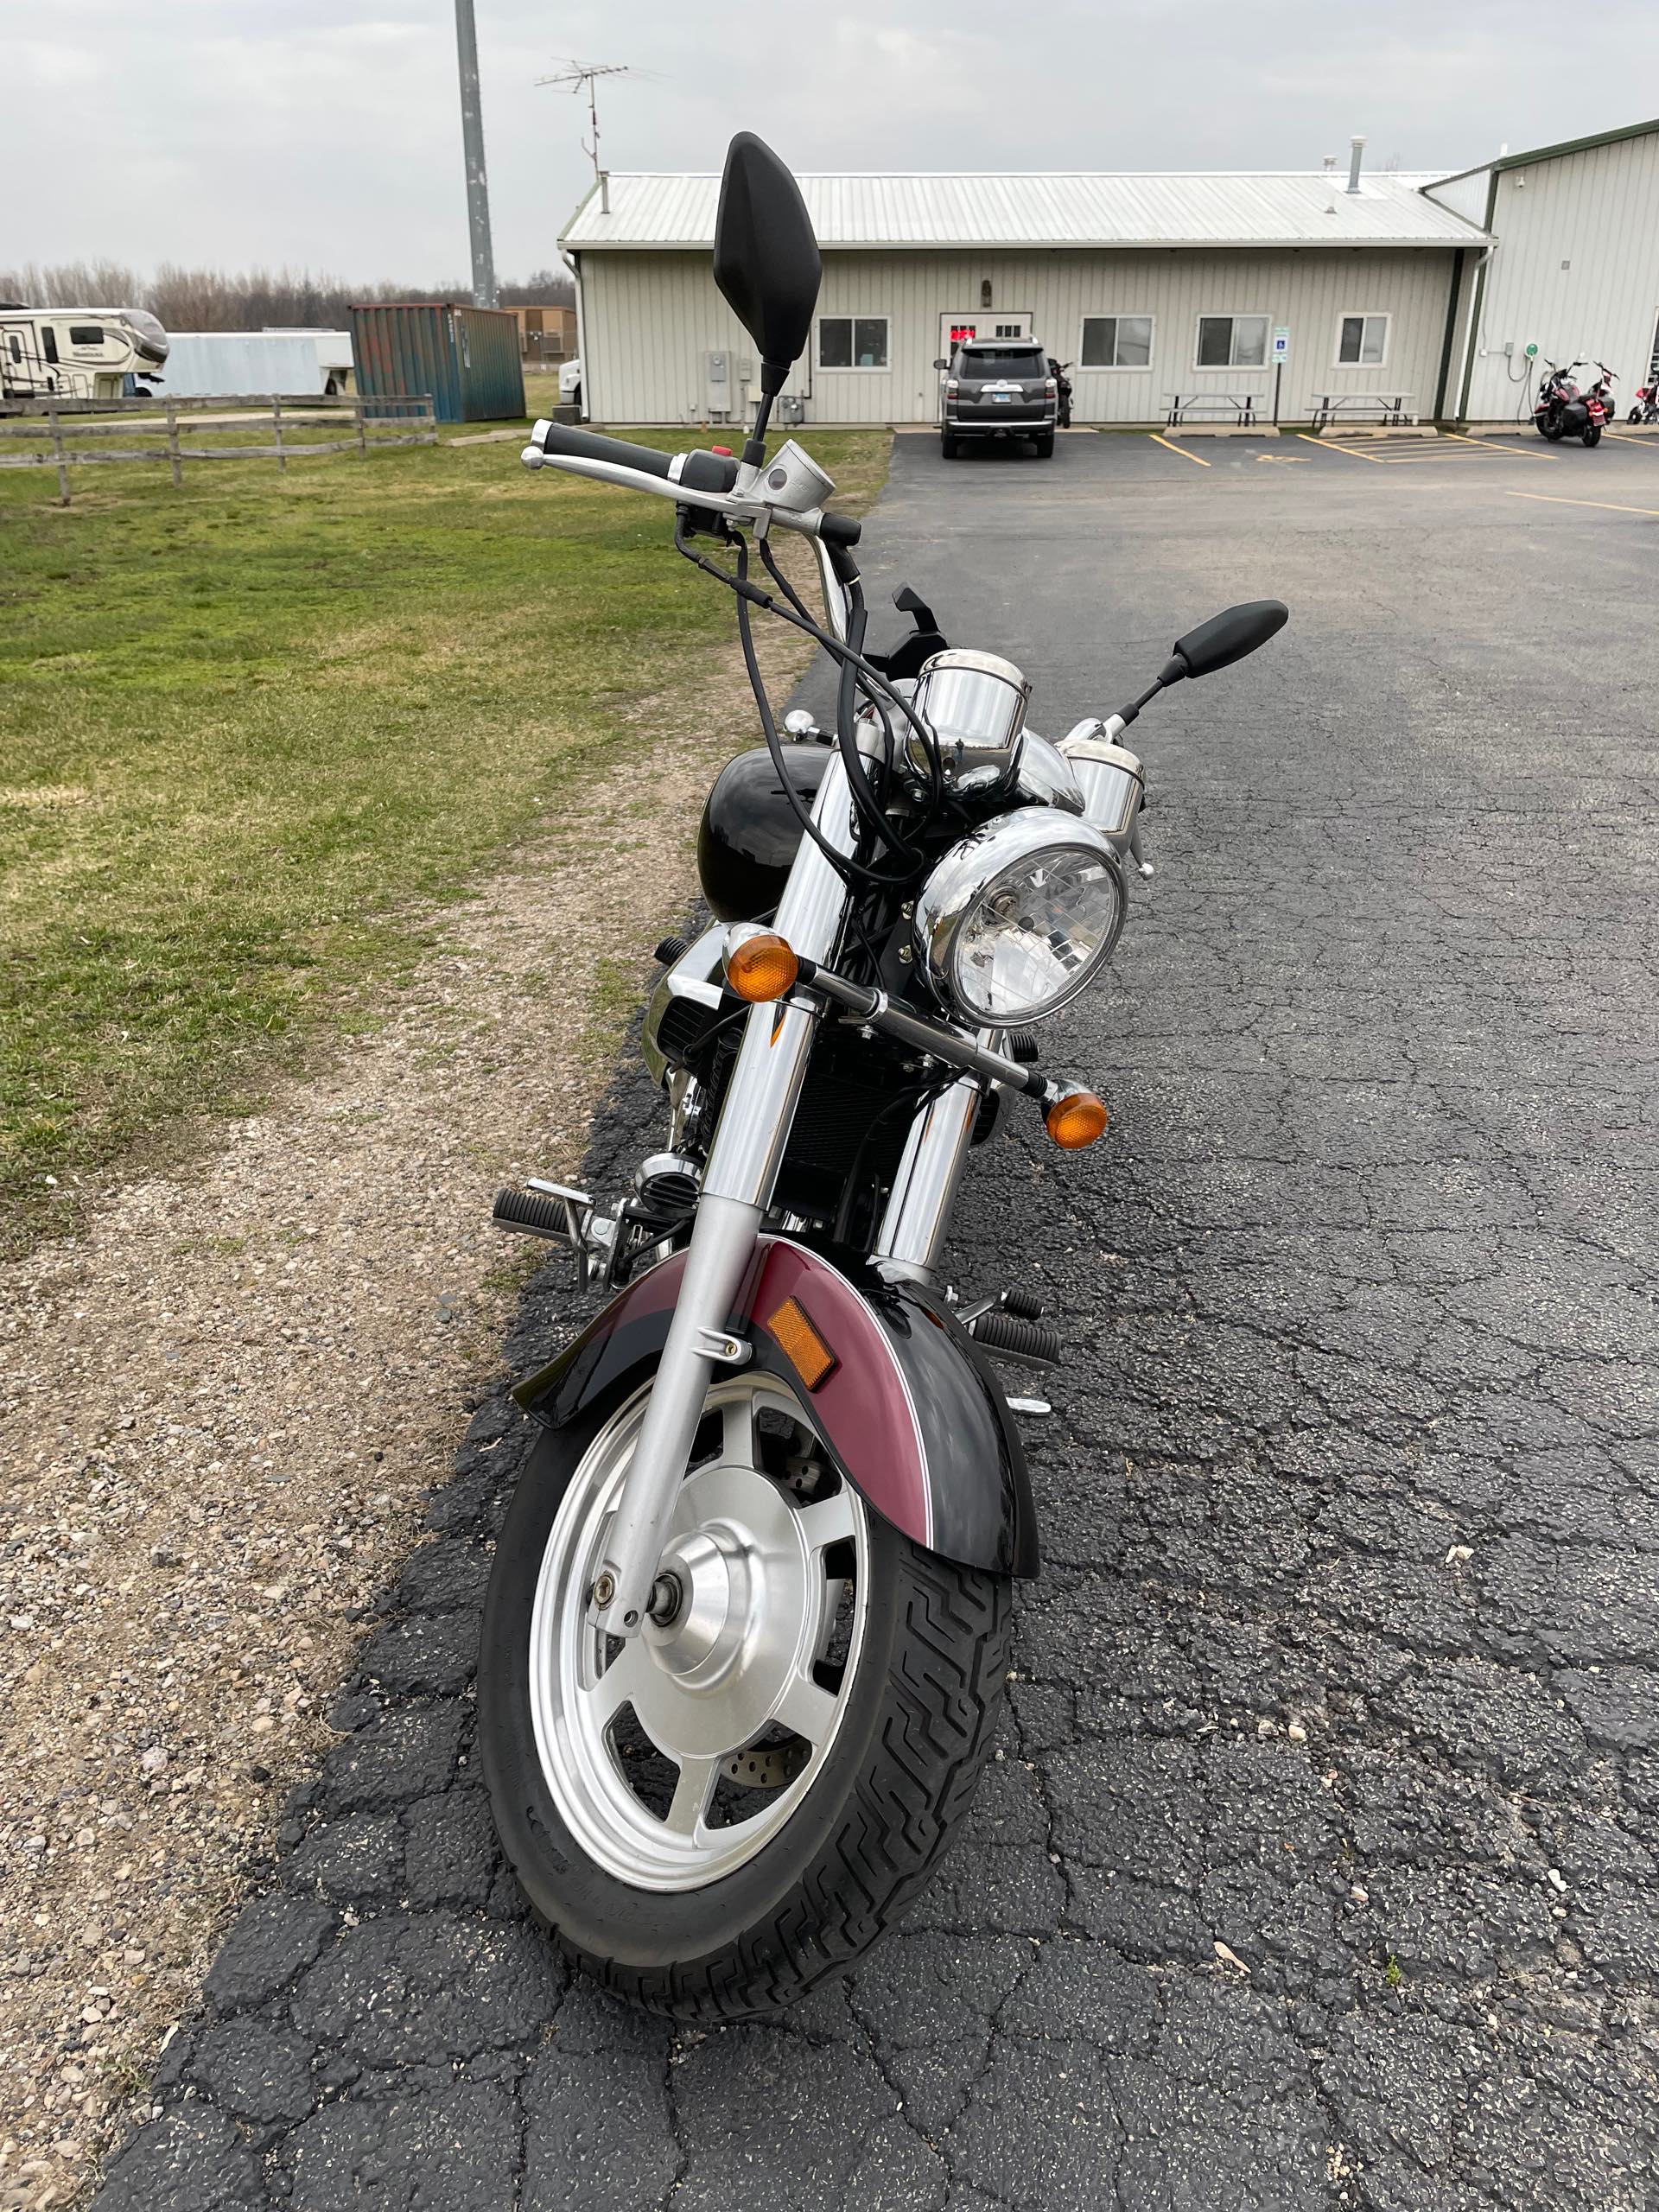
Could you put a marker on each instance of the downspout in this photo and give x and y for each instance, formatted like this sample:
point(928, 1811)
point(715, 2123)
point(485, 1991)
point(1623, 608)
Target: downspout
point(1451, 329)
point(1480, 298)
point(585, 411)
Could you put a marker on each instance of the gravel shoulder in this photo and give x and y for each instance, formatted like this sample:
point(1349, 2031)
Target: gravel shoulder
point(223, 1405)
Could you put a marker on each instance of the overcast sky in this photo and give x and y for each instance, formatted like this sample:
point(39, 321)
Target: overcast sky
point(325, 132)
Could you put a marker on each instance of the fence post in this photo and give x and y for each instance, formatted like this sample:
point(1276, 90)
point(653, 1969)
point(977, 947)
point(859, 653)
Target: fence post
point(277, 422)
point(173, 442)
point(362, 432)
point(57, 454)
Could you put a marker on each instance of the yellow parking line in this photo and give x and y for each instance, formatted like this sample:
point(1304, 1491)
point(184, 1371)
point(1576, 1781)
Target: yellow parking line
point(1347, 451)
point(1606, 505)
point(1625, 439)
point(1182, 451)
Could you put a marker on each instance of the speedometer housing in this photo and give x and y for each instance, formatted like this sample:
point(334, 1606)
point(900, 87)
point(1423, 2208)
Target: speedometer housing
point(1019, 917)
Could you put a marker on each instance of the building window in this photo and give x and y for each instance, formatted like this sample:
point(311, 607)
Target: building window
point(86, 334)
point(1116, 341)
point(853, 341)
point(1362, 342)
point(49, 342)
point(1232, 341)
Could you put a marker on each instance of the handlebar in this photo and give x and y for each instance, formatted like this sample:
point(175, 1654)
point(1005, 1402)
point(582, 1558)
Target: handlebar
point(700, 479)
point(698, 472)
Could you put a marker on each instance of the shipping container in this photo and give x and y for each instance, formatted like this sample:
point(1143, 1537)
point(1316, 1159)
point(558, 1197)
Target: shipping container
point(465, 358)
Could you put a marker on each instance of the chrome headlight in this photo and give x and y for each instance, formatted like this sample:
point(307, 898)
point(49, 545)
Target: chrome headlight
point(1017, 918)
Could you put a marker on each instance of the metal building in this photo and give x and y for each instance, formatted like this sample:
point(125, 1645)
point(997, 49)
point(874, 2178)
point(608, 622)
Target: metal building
point(1574, 269)
point(1154, 287)
point(1349, 285)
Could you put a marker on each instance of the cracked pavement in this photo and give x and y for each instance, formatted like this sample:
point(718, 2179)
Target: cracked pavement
point(1316, 1867)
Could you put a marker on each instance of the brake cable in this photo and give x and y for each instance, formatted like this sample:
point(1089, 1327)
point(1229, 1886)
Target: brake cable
point(748, 595)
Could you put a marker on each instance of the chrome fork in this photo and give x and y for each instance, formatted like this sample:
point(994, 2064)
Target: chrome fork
point(737, 1187)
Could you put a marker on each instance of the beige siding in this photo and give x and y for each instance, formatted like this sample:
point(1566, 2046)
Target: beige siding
point(649, 318)
point(1597, 212)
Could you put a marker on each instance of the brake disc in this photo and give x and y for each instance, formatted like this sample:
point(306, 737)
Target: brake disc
point(770, 1766)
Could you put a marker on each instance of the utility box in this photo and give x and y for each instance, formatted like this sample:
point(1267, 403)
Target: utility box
point(717, 380)
point(790, 407)
point(466, 358)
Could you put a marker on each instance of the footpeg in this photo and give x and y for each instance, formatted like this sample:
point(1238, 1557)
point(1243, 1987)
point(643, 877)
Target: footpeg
point(562, 1216)
point(1010, 1336)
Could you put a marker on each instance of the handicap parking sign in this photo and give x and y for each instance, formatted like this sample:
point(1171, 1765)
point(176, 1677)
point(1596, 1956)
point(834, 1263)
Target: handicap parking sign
point(1282, 341)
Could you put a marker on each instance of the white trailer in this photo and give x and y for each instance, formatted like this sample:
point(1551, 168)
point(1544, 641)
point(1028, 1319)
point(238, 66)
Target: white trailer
point(230, 363)
point(77, 352)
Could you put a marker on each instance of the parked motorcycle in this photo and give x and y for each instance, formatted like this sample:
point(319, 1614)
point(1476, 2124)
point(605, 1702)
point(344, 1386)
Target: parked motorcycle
point(1063, 387)
point(748, 1622)
point(1563, 411)
point(1646, 409)
point(1602, 406)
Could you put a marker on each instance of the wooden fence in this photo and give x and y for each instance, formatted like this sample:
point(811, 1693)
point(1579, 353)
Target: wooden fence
point(57, 429)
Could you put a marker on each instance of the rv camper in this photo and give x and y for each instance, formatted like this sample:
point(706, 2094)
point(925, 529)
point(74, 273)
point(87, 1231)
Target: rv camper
point(77, 352)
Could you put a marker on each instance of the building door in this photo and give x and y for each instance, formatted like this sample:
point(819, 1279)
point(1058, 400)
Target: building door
point(987, 322)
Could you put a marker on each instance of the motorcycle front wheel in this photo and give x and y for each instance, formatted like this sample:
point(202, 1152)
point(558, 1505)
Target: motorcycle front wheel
point(715, 1814)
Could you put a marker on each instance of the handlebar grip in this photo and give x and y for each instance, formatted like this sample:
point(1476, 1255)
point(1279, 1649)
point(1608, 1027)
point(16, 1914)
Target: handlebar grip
point(571, 444)
point(698, 472)
point(840, 530)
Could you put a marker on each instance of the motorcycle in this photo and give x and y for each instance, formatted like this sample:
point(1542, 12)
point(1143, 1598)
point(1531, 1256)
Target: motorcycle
point(1646, 409)
point(1562, 411)
point(1063, 388)
point(1601, 404)
point(748, 1621)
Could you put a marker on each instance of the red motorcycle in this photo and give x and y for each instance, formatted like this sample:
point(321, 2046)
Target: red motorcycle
point(1563, 411)
point(1646, 409)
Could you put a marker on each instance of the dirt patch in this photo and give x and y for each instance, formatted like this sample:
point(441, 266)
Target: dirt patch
point(223, 1405)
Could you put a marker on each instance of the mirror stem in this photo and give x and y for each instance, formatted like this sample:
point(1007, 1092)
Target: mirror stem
point(1174, 669)
point(774, 375)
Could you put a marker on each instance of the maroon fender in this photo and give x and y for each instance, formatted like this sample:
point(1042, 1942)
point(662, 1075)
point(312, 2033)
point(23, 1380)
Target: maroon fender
point(910, 1410)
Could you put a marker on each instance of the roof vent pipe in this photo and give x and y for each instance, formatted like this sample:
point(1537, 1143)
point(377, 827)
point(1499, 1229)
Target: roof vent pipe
point(1356, 147)
point(605, 186)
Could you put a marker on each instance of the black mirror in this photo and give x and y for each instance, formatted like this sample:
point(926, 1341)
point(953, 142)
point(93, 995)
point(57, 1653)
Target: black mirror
point(1228, 637)
point(766, 255)
point(941, 365)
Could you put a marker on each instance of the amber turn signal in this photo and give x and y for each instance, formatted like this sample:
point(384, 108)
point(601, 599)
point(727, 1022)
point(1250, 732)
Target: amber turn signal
point(1076, 1120)
point(761, 967)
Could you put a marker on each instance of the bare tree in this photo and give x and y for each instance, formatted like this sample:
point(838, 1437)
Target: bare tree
point(219, 299)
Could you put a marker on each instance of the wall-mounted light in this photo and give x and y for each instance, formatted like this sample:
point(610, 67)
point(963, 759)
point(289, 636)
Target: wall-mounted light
point(985, 293)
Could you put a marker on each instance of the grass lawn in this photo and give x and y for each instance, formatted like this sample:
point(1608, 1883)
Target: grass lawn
point(247, 726)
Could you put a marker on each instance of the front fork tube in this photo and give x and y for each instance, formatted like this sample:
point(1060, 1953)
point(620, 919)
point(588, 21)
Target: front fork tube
point(737, 1187)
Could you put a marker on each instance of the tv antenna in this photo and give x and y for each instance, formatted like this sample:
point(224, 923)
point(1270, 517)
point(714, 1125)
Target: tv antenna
point(572, 76)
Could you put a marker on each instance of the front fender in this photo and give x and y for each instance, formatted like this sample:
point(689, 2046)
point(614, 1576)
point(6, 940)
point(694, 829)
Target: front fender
point(910, 1411)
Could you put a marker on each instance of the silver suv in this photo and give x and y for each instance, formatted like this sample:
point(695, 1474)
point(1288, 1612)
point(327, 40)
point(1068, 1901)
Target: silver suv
point(997, 388)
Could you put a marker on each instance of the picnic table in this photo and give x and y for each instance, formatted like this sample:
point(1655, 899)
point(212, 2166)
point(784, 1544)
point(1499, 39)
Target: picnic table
point(1242, 406)
point(1390, 407)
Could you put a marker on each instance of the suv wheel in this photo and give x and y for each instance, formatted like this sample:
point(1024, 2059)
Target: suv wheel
point(1046, 446)
point(947, 446)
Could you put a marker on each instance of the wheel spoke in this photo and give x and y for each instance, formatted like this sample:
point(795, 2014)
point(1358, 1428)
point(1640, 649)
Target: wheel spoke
point(809, 1711)
point(627, 1673)
point(831, 1521)
point(737, 1433)
point(691, 1795)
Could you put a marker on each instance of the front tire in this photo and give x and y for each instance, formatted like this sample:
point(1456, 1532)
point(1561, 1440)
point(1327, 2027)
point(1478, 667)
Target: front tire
point(743, 1911)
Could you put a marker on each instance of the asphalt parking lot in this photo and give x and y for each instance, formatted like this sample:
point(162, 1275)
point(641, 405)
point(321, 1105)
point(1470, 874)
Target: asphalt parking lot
point(1317, 1866)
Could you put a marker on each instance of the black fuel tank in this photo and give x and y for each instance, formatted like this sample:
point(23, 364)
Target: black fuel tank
point(749, 832)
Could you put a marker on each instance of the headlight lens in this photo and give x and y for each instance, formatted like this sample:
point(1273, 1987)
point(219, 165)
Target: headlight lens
point(1018, 917)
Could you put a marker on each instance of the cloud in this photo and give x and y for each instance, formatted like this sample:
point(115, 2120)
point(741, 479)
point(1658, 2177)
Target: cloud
point(327, 132)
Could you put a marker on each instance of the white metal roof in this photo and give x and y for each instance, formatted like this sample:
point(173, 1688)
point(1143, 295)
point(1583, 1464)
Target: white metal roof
point(1206, 208)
